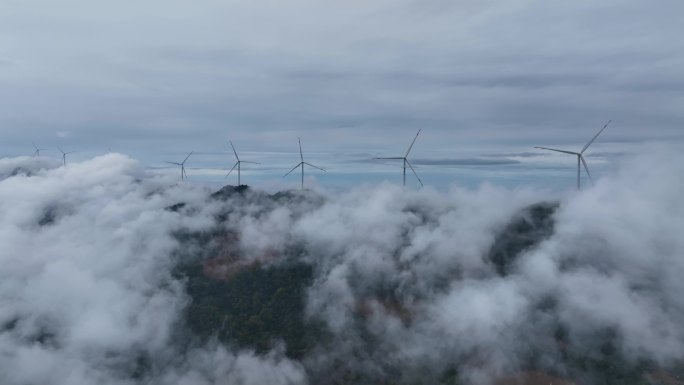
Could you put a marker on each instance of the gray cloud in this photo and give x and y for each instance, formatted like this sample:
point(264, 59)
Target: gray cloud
point(173, 76)
point(464, 162)
point(493, 161)
point(87, 292)
point(403, 280)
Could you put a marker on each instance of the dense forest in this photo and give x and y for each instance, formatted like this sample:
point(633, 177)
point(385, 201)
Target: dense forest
point(262, 305)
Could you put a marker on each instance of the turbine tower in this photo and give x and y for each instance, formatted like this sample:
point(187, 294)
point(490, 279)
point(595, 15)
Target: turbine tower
point(406, 161)
point(38, 150)
point(302, 163)
point(237, 164)
point(580, 155)
point(182, 164)
point(64, 154)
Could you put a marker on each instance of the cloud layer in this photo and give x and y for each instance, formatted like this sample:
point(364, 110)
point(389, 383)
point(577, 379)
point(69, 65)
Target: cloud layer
point(86, 289)
point(403, 283)
point(173, 76)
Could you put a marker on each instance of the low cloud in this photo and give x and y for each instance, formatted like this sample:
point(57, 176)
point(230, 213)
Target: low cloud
point(464, 162)
point(403, 285)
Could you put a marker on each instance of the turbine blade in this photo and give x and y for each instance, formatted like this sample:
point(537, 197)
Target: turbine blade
point(60, 150)
point(176, 163)
point(231, 170)
point(34, 145)
point(414, 172)
point(186, 158)
point(396, 158)
point(246, 161)
point(293, 168)
point(586, 168)
point(414, 141)
point(301, 154)
point(594, 138)
point(234, 152)
point(309, 164)
point(563, 151)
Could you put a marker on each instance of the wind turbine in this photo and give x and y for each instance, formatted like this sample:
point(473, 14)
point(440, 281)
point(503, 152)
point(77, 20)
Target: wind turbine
point(302, 163)
point(406, 161)
point(182, 164)
point(38, 150)
point(580, 157)
point(237, 164)
point(64, 154)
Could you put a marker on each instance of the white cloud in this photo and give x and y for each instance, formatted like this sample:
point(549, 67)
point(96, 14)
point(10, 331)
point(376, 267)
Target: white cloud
point(402, 278)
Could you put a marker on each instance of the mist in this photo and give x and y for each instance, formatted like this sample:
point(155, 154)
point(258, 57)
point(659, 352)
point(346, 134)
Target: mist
point(103, 264)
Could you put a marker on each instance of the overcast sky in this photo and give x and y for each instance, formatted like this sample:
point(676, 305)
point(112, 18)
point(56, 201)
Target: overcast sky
point(485, 80)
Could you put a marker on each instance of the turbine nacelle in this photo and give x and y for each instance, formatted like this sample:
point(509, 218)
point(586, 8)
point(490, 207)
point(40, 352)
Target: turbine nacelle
point(580, 155)
point(182, 165)
point(37, 150)
point(302, 163)
point(406, 161)
point(64, 154)
point(237, 164)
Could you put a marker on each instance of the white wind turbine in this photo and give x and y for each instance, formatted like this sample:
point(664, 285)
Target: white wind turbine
point(302, 163)
point(406, 161)
point(182, 164)
point(580, 156)
point(237, 164)
point(64, 154)
point(38, 150)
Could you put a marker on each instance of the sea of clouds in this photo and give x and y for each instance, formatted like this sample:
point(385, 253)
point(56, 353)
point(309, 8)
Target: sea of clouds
point(88, 294)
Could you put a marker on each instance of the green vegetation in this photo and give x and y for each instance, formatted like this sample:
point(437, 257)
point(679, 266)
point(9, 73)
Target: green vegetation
point(604, 363)
point(257, 307)
point(534, 224)
point(260, 306)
